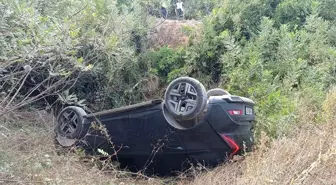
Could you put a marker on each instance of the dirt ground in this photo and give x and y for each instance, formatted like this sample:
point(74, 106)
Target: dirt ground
point(174, 33)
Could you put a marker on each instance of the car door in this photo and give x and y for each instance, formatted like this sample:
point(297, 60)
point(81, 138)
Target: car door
point(153, 141)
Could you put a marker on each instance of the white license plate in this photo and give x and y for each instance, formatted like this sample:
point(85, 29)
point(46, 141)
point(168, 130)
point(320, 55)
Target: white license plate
point(248, 111)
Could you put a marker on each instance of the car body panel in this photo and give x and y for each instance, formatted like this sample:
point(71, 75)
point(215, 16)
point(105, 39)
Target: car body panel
point(142, 138)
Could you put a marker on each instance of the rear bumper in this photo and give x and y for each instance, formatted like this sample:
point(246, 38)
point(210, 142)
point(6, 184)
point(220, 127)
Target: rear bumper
point(242, 137)
point(234, 143)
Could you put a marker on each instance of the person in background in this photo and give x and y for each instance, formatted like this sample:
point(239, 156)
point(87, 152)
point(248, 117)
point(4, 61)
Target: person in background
point(179, 9)
point(164, 7)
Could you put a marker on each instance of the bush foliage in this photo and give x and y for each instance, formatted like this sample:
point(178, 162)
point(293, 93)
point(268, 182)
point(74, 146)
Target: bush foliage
point(277, 52)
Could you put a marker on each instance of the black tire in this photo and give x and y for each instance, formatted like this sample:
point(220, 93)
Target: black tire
point(217, 92)
point(69, 126)
point(185, 98)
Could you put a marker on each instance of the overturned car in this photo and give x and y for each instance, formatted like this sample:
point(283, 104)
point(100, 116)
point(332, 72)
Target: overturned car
point(190, 125)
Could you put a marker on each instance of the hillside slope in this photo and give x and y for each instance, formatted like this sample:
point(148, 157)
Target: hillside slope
point(173, 33)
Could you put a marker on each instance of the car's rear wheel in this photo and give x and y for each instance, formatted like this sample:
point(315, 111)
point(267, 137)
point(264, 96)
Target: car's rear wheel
point(217, 92)
point(69, 126)
point(185, 98)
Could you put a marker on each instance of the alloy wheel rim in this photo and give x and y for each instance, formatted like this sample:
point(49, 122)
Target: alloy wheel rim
point(68, 122)
point(183, 98)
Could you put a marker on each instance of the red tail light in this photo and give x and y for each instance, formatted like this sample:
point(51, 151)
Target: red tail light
point(236, 112)
point(234, 146)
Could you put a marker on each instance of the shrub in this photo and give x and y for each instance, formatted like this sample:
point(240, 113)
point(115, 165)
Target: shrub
point(275, 61)
point(165, 61)
point(77, 41)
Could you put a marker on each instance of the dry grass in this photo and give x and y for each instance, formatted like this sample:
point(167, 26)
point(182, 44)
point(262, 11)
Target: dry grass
point(28, 156)
point(308, 158)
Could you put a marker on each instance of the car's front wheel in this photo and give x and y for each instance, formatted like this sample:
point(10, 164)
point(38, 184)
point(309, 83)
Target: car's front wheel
point(69, 126)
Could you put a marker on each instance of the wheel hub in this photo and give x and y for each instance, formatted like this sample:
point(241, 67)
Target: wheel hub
point(183, 98)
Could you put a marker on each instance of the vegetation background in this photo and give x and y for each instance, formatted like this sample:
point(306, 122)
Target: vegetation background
point(101, 54)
